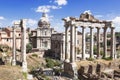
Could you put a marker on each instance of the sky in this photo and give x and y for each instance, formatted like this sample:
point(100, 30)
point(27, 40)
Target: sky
point(12, 10)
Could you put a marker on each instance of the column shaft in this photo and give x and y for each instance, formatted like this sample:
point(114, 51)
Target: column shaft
point(61, 51)
point(14, 48)
point(83, 43)
point(105, 42)
point(75, 43)
point(91, 42)
point(98, 43)
point(72, 44)
point(112, 43)
point(38, 43)
point(24, 62)
point(66, 44)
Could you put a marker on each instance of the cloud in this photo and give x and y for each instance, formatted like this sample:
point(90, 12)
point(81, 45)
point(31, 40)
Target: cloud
point(50, 1)
point(31, 23)
point(88, 11)
point(57, 24)
point(2, 18)
point(116, 22)
point(12, 23)
point(46, 8)
point(98, 16)
point(61, 2)
point(50, 17)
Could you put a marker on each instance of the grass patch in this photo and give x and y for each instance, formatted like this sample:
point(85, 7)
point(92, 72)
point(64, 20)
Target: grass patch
point(90, 59)
point(107, 58)
point(25, 75)
point(34, 55)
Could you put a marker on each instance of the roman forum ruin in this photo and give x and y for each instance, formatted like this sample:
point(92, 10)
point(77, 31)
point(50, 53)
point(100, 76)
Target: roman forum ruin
point(21, 24)
point(86, 20)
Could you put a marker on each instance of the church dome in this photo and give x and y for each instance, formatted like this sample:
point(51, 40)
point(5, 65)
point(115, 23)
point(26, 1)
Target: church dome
point(44, 21)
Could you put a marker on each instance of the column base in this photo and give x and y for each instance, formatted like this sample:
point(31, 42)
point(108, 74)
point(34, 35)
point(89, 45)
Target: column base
point(13, 62)
point(74, 68)
point(70, 70)
point(24, 66)
point(115, 56)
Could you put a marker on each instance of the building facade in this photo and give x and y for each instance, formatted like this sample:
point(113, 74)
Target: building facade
point(41, 37)
point(6, 37)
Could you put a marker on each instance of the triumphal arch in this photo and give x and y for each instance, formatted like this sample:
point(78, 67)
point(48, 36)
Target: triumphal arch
point(86, 20)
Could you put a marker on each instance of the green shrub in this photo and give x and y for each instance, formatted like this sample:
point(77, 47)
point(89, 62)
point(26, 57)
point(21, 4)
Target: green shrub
point(95, 49)
point(28, 48)
point(90, 59)
point(4, 48)
point(101, 53)
point(50, 63)
point(107, 58)
point(57, 63)
point(34, 55)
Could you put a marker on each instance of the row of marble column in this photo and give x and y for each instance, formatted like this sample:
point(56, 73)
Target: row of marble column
point(22, 24)
point(73, 43)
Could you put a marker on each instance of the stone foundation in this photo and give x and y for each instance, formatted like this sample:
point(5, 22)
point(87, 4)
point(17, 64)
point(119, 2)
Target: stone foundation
point(93, 70)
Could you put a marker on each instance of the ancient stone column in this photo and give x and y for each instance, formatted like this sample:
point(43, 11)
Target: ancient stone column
point(38, 43)
point(61, 51)
point(98, 42)
point(23, 30)
point(91, 42)
point(38, 39)
point(75, 43)
point(72, 44)
point(14, 47)
point(115, 53)
point(105, 42)
point(66, 44)
point(112, 43)
point(83, 42)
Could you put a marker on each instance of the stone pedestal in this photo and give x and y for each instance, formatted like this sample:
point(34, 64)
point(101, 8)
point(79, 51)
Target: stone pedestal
point(70, 70)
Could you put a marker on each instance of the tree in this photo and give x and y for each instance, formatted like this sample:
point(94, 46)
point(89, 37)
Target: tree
point(28, 48)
